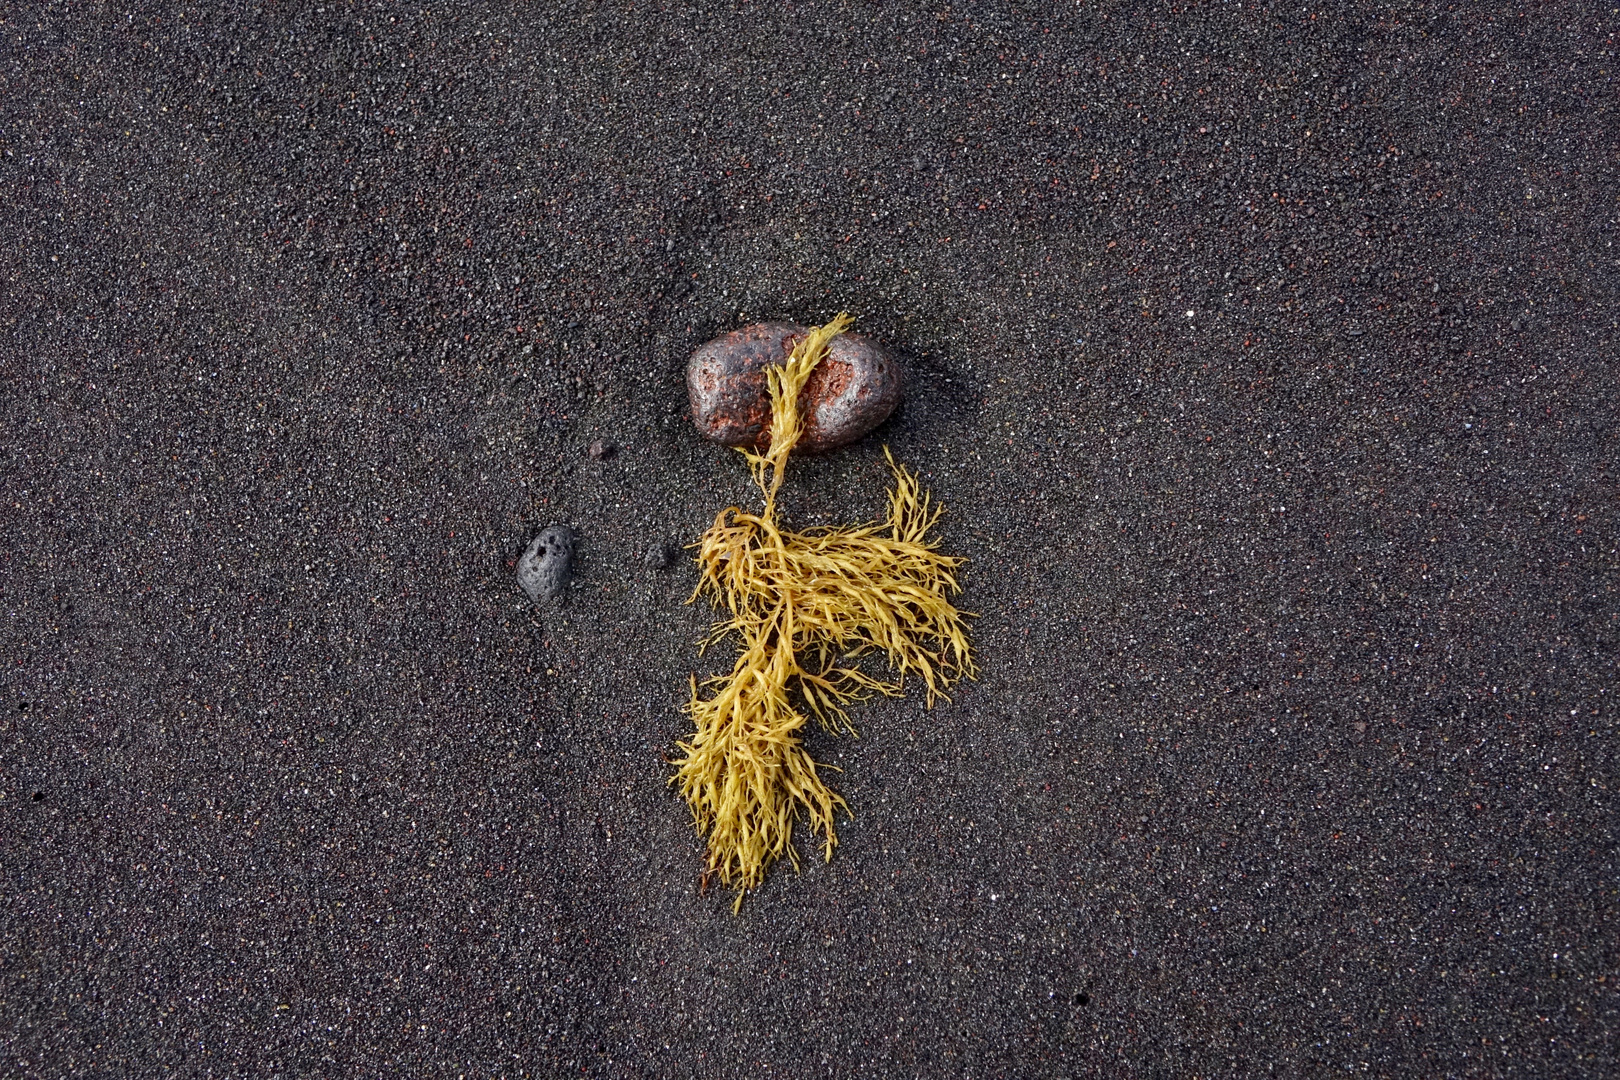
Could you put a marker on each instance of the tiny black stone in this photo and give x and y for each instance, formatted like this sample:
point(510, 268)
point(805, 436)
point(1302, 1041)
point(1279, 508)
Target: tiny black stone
point(661, 555)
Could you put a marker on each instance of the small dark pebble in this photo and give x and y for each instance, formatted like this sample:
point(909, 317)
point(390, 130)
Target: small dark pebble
point(1354, 333)
point(851, 392)
point(601, 451)
point(544, 568)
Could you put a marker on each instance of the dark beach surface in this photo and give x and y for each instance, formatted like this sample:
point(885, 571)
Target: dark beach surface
point(1263, 361)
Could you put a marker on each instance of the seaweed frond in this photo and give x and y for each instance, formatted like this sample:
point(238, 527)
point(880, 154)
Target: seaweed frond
point(804, 607)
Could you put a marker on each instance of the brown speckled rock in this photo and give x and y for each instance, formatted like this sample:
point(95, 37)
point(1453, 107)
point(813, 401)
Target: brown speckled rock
point(851, 392)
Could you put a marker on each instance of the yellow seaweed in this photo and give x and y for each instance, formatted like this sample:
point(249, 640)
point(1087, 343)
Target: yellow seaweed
point(804, 606)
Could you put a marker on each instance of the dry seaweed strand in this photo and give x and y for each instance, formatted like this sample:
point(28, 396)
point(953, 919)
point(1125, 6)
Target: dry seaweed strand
point(804, 606)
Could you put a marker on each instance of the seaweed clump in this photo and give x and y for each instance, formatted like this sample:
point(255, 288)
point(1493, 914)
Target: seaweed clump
point(804, 607)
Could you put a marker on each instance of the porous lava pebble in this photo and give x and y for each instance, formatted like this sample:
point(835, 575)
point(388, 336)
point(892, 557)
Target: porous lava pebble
point(852, 390)
point(544, 569)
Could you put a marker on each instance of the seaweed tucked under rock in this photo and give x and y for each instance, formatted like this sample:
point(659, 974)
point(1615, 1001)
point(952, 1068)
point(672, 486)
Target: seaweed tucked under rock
point(804, 607)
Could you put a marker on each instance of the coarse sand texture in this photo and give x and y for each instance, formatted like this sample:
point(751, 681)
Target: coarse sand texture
point(804, 606)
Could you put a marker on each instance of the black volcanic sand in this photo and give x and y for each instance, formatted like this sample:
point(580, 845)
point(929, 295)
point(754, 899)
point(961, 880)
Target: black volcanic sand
point(1264, 363)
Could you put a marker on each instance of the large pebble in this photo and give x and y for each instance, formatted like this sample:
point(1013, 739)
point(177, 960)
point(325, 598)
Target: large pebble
point(851, 392)
point(544, 569)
